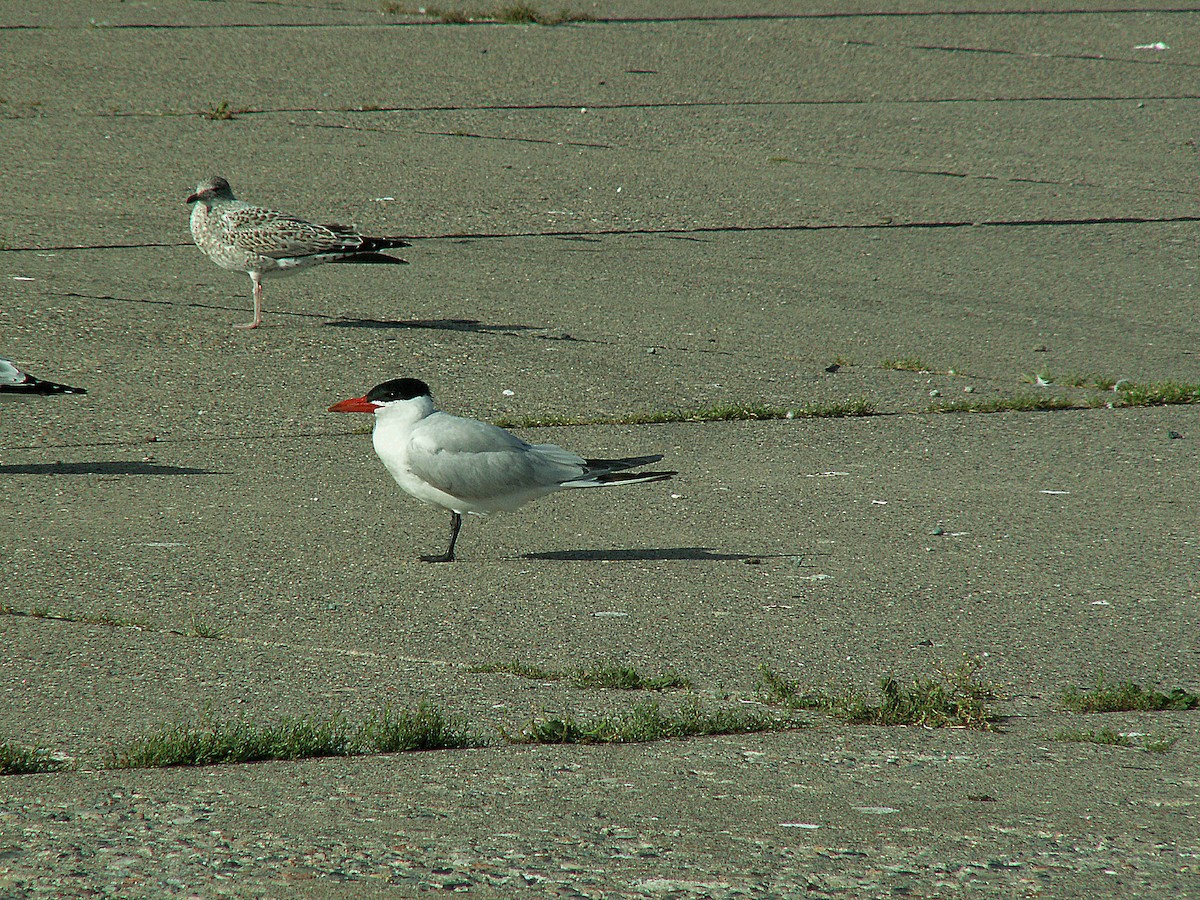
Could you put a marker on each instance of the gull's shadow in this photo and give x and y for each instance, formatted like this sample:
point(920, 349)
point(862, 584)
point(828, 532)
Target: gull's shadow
point(471, 325)
point(115, 467)
point(698, 553)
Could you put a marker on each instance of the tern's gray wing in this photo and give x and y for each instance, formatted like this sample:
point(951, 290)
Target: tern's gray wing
point(265, 232)
point(474, 460)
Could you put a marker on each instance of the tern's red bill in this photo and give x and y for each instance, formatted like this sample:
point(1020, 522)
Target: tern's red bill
point(354, 404)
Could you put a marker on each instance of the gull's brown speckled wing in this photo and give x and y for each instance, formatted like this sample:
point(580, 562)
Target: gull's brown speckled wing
point(265, 232)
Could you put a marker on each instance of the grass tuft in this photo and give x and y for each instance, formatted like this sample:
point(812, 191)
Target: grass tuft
point(16, 760)
point(646, 721)
point(1126, 696)
point(625, 678)
point(775, 690)
point(1107, 736)
point(955, 699)
point(1110, 737)
point(622, 678)
point(235, 742)
point(853, 407)
point(1163, 393)
point(905, 364)
point(508, 14)
point(1158, 744)
point(44, 612)
point(424, 728)
point(518, 14)
point(219, 112)
point(1016, 403)
point(199, 629)
point(387, 731)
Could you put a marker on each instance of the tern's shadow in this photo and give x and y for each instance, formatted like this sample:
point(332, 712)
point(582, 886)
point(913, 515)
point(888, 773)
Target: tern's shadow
point(696, 553)
point(470, 325)
point(116, 467)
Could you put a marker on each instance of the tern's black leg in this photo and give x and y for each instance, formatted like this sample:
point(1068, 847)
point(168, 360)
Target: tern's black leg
point(448, 556)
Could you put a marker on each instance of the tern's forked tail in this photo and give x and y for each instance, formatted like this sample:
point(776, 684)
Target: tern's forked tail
point(631, 477)
point(612, 471)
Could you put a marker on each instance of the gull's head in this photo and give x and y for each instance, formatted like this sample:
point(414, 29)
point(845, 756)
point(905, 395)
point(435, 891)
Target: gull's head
point(394, 394)
point(215, 188)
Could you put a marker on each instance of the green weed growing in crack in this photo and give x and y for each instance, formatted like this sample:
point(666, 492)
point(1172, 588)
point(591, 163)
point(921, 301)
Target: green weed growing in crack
point(1016, 403)
point(647, 721)
point(506, 14)
point(624, 678)
point(219, 112)
point(610, 677)
point(1158, 744)
point(955, 698)
point(1126, 696)
point(235, 742)
point(853, 407)
point(1107, 736)
point(424, 728)
point(1042, 377)
point(1110, 737)
point(241, 741)
point(1092, 382)
point(1163, 393)
point(199, 629)
point(44, 612)
point(18, 760)
point(905, 364)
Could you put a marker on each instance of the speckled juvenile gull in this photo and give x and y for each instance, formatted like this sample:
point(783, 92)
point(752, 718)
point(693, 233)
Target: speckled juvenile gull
point(262, 242)
point(14, 381)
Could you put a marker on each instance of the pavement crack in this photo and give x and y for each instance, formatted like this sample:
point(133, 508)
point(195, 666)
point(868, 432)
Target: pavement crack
point(1021, 54)
point(973, 176)
point(886, 224)
point(429, 21)
point(107, 621)
point(522, 140)
point(666, 104)
point(145, 245)
point(670, 232)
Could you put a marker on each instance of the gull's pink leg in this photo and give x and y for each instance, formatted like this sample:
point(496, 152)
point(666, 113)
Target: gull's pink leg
point(258, 291)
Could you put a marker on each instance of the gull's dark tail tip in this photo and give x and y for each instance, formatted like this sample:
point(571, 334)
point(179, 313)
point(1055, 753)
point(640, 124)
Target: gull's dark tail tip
point(371, 244)
point(41, 388)
point(371, 256)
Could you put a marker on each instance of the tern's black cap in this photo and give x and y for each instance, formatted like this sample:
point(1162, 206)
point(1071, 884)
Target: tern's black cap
point(399, 389)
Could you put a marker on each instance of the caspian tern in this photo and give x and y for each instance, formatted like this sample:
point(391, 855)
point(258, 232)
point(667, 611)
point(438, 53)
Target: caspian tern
point(468, 466)
point(262, 242)
point(14, 381)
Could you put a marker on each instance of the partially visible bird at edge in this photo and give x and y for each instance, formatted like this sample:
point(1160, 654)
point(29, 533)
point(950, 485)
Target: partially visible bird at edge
point(15, 381)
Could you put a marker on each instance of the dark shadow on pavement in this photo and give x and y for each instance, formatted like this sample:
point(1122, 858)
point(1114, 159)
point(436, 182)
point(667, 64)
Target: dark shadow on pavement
point(472, 325)
point(116, 467)
point(698, 553)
